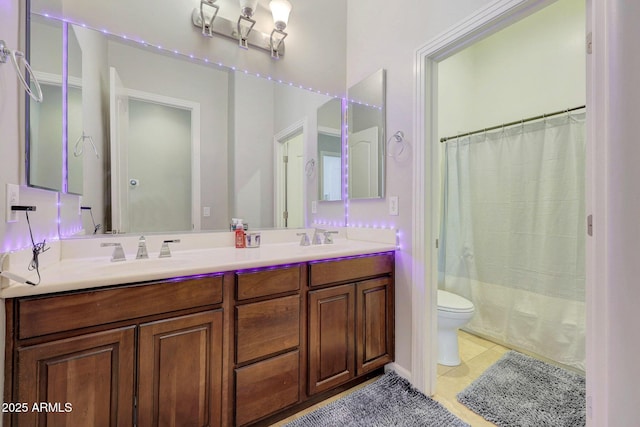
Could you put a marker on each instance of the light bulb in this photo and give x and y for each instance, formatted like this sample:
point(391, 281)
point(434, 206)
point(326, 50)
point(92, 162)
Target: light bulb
point(280, 10)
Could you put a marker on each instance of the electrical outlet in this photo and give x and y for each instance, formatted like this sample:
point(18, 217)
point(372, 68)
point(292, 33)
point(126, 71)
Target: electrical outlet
point(393, 205)
point(13, 199)
point(314, 206)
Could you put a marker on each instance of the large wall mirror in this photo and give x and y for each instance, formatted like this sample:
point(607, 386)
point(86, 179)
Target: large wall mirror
point(366, 139)
point(158, 142)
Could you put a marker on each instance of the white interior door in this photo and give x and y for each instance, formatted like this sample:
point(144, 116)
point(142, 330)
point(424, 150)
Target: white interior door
point(331, 167)
point(155, 174)
point(159, 167)
point(295, 181)
point(363, 163)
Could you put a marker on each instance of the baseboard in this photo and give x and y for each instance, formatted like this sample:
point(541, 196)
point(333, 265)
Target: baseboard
point(398, 370)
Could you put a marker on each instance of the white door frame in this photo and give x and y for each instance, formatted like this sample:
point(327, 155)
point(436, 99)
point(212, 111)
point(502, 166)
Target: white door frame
point(194, 109)
point(278, 177)
point(426, 180)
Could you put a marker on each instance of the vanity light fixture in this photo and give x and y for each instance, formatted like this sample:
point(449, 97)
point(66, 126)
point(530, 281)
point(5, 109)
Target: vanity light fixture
point(209, 21)
point(280, 9)
point(247, 9)
point(207, 18)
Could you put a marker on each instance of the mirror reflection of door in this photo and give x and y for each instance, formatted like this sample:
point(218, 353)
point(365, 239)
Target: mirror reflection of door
point(290, 212)
point(363, 163)
point(153, 174)
point(331, 167)
point(159, 167)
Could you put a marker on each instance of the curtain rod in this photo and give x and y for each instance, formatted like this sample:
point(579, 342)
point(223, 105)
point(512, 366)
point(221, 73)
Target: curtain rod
point(517, 122)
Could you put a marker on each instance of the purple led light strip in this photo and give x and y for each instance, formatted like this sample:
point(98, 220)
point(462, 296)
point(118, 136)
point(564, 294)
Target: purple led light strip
point(189, 56)
point(65, 131)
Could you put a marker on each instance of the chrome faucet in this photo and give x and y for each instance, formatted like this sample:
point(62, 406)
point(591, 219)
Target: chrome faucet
point(317, 236)
point(118, 252)
point(142, 248)
point(328, 238)
point(165, 252)
point(304, 241)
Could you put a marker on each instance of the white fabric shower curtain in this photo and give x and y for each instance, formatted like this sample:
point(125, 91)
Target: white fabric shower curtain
point(513, 235)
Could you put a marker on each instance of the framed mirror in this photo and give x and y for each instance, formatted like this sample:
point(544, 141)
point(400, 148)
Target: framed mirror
point(366, 138)
point(329, 153)
point(161, 142)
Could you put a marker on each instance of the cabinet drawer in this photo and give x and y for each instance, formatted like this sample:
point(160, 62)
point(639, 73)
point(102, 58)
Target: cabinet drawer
point(267, 327)
point(266, 387)
point(267, 282)
point(46, 315)
point(345, 270)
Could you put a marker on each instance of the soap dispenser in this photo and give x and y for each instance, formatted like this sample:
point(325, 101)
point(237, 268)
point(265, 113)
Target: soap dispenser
point(240, 237)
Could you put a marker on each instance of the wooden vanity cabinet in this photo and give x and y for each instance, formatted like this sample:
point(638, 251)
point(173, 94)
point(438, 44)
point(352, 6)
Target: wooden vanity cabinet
point(351, 325)
point(234, 349)
point(106, 357)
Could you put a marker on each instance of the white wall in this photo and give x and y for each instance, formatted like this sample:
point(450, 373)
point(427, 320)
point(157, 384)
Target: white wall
point(534, 67)
point(382, 34)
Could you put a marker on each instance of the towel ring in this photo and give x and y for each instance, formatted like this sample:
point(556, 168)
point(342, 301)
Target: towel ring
point(78, 148)
point(13, 54)
point(397, 146)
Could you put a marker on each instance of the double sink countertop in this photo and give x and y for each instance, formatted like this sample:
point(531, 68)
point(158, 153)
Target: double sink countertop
point(76, 264)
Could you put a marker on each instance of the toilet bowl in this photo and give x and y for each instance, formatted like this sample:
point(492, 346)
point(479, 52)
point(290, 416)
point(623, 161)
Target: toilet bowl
point(454, 312)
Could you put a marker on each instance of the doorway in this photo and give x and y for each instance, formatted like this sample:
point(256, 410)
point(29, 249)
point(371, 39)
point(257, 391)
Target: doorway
point(155, 161)
point(427, 170)
point(289, 176)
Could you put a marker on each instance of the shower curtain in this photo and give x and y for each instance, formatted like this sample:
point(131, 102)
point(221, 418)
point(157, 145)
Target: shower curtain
point(513, 235)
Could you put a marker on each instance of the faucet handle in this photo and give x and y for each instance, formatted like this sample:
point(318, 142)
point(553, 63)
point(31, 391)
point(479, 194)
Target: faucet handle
point(142, 248)
point(118, 252)
point(304, 241)
point(165, 252)
point(317, 236)
point(328, 238)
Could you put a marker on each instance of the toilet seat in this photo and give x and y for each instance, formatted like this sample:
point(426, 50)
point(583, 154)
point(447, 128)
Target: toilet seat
point(452, 303)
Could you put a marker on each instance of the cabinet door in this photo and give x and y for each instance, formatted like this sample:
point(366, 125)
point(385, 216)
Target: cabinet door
point(90, 376)
point(331, 337)
point(374, 325)
point(180, 371)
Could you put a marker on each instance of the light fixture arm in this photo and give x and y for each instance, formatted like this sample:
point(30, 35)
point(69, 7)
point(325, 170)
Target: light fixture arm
point(243, 38)
point(276, 42)
point(207, 24)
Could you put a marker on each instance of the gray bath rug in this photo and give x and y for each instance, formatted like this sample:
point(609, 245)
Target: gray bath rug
point(521, 391)
point(389, 401)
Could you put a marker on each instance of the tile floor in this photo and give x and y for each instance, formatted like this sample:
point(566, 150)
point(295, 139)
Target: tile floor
point(477, 354)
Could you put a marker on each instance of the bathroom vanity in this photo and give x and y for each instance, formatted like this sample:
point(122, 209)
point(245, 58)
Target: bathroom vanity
point(238, 347)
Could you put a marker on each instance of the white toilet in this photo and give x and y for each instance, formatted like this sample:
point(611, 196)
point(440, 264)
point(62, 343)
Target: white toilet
point(454, 312)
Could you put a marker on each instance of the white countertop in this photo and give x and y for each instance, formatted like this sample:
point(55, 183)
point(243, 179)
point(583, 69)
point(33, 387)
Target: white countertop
point(89, 272)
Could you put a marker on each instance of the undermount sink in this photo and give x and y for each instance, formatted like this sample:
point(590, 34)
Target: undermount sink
point(137, 265)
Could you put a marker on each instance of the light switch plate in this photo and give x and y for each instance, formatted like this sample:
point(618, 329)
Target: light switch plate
point(206, 211)
point(13, 199)
point(314, 206)
point(393, 205)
